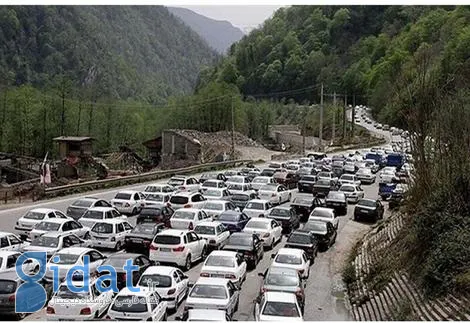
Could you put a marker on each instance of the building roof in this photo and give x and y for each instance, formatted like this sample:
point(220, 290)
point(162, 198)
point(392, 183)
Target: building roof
point(72, 139)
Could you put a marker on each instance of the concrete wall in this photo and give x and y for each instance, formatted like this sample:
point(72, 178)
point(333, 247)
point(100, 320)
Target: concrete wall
point(176, 147)
point(295, 139)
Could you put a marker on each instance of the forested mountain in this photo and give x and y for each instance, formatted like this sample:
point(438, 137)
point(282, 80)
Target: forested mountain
point(220, 35)
point(117, 52)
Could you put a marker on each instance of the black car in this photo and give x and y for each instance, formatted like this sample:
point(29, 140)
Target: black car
point(247, 244)
point(304, 240)
point(304, 205)
point(233, 220)
point(369, 209)
point(140, 238)
point(241, 199)
point(337, 200)
point(324, 231)
point(119, 260)
point(155, 214)
point(286, 216)
point(322, 187)
point(306, 183)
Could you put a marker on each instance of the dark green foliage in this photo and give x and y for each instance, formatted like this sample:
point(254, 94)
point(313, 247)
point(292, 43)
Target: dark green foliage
point(119, 52)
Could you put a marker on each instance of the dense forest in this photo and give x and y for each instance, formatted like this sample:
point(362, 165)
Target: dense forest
point(116, 52)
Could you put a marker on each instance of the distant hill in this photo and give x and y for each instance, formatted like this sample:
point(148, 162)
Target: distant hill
point(119, 52)
point(220, 35)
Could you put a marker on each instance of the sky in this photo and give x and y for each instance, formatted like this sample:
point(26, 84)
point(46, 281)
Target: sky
point(244, 17)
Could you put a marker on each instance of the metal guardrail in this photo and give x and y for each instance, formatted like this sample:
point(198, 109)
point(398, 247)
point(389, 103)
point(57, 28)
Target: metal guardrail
point(139, 178)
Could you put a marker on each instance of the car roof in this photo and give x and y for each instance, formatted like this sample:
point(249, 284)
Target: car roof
point(225, 253)
point(101, 208)
point(280, 297)
point(190, 209)
point(284, 270)
point(57, 220)
point(217, 201)
point(208, 223)
point(185, 193)
point(163, 270)
point(56, 234)
point(212, 281)
point(205, 314)
point(283, 207)
point(265, 220)
point(7, 253)
point(43, 210)
point(111, 221)
point(75, 250)
point(142, 292)
point(214, 180)
point(259, 201)
point(290, 251)
point(319, 208)
point(172, 232)
point(88, 198)
point(9, 275)
point(127, 192)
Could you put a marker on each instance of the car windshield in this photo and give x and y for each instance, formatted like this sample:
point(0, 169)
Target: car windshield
point(34, 215)
point(130, 304)
point(283, 213)
point(299, 238)
point(184, 215)
point(175, 199)
point(346, 188)
point(7, 286)
point(123, 196)
point(210, 184)
point(255, 206)
point(155, 280)
point(300, 200)
point(153, 189)
point(220, 261)
point(145, 229)
point(240, 240)
point(155, 198)
point(369, 203)
point(102, 228)
point(208, 291)
point(235, 187)
point(90, 214)
point(165, 239)
point(64, 259)
point(47, 226)
point(213, 206)
point(282, 278)
point(117, 260)
point(268, 188)
point(42, 241)
point(288, 259)
point(322, 214)
point(324, 174)
point(257, 225)
point(240, 197)
point(83, 203)
point(229, 217)
point(347, 177)
point(204, 229)
point(308, 179)
point(335, 196)
point(237, 179)
point(280, 309)
point(65, 293)
point(213, 193)
point(176, 181)
point(315, 226)
point(260, 180)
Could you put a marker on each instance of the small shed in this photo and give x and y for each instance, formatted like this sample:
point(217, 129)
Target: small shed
point(154, 147)
point(74, 146)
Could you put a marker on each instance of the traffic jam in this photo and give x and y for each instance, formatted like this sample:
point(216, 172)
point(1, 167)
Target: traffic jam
point(196, 239)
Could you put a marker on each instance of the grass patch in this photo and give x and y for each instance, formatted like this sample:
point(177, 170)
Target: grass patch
point(349, 270)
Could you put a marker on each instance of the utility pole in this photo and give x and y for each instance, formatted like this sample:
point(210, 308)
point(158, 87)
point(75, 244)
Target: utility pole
point(344, 114)
point(334, 121)
point(233, 129)
point(304, 128)
point(321, 118)
point(353, 115)
point(62, 119)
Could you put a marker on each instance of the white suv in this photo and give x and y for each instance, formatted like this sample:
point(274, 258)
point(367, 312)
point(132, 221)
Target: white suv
point(180, 247)
point(186, 200)
point(109, 234)
point(144, 305)
point(128, 202)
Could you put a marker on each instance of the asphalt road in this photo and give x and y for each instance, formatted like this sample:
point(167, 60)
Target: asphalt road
point(325, 297)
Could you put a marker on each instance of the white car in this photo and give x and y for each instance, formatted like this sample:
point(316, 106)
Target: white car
point(169, 282)
point(11, 242)
point(33, 217)
point(207, 315)
point(274, 193)
point(278, 306)
point(92, 304)
point(214, 208)
point(69, 257)
point(188, 218)
point(214, 232)
point(349, 179)
point(157, 199)
point(98, 214)
point(292, 258)
point(324, 214)
point(213, 293)
point(58, 225)
point(51, 242)
point(186, 200)
point(238, 180)
point(216, 193)
point(180, 247)
point(259, 181)
point(109, 234)
point(225, 264)
point(365, 175)
point(235, 188)
point(8, 262)
point(128, 202)
point(256, 208)
point(327, 176)
point(144, 305)
point(158, 188)
point(387, 176)
point(269, 230)
point(213, 183)
point(353, 192)
point(184, 183)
